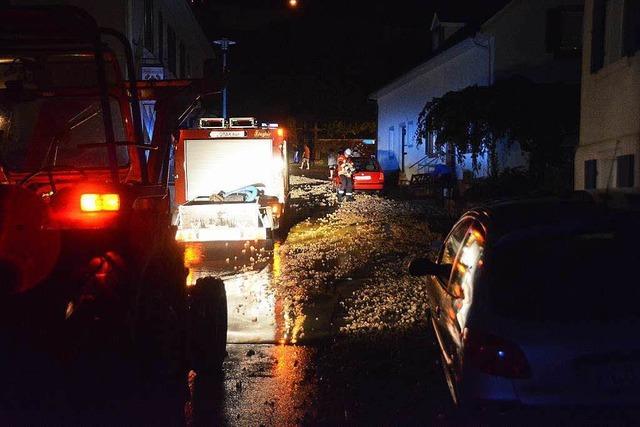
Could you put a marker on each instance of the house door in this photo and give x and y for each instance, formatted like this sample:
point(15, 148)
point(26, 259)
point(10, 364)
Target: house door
point(403, 145)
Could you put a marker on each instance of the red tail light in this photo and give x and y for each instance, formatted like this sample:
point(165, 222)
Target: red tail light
point(99, 202)
point(495, 356)
point(381, 176)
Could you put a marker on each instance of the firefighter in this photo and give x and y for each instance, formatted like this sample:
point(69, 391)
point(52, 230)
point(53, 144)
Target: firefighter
point(346, 168)
point(306, 156)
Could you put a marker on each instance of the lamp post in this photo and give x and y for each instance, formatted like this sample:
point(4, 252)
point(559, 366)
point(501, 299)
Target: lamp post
point(224, 44)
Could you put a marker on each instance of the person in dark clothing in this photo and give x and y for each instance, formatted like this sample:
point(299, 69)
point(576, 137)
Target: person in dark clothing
point(346, 168)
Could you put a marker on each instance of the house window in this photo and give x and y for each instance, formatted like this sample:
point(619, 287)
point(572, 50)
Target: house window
point(171, 49)
point(160, 37)
point(590, 174)
point(430, 148)
point(183, 58)
point(564, 30)
point(616, 31)
point(625, 171)
point(613, 14)
point(149, 40)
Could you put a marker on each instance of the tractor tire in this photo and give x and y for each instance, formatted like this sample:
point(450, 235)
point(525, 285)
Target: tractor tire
point(160, 327)
point(207, 326)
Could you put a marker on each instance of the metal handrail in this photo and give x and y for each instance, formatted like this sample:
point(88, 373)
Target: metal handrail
point(420, 161)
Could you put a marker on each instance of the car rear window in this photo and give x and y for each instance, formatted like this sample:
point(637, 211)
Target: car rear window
point(588, 274)
point(365, 164)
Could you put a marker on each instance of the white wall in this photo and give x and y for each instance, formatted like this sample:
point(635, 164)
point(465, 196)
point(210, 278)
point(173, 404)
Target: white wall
point(610, 114)
point(400, 103)
point(179, 16)
point(127, 16)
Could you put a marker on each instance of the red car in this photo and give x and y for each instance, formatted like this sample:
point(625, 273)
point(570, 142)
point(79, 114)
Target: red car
point(368, 175)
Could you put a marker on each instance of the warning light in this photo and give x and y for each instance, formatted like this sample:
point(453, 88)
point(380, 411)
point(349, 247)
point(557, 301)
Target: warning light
point(100, 202)
point(280, 132)
point(293, 3)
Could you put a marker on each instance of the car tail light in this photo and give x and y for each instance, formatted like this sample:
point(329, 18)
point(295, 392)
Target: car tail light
point(381, 176)
point(93, 202)
point(495, 356)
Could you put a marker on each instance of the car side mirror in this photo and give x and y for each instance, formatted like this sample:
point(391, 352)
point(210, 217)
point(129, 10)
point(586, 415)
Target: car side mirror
point(419, 267)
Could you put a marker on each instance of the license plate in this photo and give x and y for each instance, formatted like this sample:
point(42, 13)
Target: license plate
point(363, 178)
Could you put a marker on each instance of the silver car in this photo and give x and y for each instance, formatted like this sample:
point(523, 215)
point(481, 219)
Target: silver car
point(538, 303)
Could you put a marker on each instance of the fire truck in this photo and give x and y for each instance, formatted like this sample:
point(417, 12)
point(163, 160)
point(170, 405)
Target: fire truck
point(87, 250)
point(231, 180)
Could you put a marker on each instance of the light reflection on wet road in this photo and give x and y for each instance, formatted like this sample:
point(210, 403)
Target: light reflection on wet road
point(267, 381)
point(255, 316)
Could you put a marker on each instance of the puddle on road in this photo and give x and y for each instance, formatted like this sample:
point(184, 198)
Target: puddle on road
point(257, 312)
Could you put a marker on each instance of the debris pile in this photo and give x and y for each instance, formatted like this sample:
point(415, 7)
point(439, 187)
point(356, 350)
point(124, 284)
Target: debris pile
point(368, 241)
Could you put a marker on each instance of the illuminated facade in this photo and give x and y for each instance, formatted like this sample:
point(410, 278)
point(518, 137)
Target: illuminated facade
point(609, 148)
point(537, 40)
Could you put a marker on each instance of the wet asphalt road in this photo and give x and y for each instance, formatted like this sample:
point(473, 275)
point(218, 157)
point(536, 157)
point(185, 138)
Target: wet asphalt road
point(273, 376)
point(320, 379)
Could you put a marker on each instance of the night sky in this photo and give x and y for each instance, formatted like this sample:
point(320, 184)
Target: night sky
point(322, 59)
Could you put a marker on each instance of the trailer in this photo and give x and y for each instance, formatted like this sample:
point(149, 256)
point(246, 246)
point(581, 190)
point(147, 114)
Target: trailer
point(231, 181)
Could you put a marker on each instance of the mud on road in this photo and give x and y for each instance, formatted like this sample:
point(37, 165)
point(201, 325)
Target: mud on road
point(350, 342)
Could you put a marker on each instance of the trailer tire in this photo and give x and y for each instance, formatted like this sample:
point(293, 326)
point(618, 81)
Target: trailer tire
point(159, 330)
point(207, 325)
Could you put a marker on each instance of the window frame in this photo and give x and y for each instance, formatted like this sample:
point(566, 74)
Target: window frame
point(556, 23)
point(622, 161)
point(172, 60)
point(160, 37)
point(149, 26)
point(459, 232)
point(588, 180)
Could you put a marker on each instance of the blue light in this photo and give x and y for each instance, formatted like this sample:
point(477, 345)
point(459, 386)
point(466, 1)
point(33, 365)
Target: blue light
point(501, 354)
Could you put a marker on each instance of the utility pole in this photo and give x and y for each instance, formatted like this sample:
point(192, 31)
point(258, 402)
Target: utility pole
point(224, 44)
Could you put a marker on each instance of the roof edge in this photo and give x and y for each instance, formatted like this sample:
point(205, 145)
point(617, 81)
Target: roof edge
point(430, 64)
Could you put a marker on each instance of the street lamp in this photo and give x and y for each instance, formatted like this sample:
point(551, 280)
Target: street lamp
point(224, 44)
point(293, 3)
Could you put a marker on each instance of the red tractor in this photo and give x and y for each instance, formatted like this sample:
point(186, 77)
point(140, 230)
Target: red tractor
point(87, 250)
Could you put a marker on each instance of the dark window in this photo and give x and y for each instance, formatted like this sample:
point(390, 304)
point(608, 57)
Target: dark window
point(454, 242)
point(149, 41)
point(625, 170)
point(616, 31)
point(631, 27)
point(590, 174)
point(160, 37)
point(25, 147)
point(366, 164)
point(564, 31)
point(183, 58)
point(465, 267)
point(171, 49)
point(581, 272)
point(597, 35)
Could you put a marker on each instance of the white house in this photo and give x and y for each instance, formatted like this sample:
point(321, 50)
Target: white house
point(536, 39)
point(609, 148)
point(400, 102)
point(165, 37)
